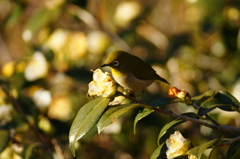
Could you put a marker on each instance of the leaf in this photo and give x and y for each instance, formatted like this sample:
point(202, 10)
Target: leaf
point(157, 152)
point(30, 148)
point(167, 126)
point(14, 16)
point(39, 19)
point(233, 149)
point(85, 119)
point(113, 114)
point(4, 138)
point(199, 150)
point(236, 154)
point(229, 99)
point(162, 101)
point(203, 111)
point(214, 153)
point(222, 100)
point(201, 98)
point(141, 115)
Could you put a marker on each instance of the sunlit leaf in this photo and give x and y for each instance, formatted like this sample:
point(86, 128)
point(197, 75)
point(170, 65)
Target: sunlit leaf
point(39, 20)
point(112, 114)
point(227, 98)
point(4, 139)
point(14, 16)
point(201, 98)
point(85, 119)
point(141, 115)
point(167, 126)
point(199, 150)
point(30, 148)
point(106, 115)
point(214, 153)
point(222, 100)
point(157, 152)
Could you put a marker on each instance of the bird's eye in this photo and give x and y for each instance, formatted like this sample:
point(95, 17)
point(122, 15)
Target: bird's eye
point(115, 63)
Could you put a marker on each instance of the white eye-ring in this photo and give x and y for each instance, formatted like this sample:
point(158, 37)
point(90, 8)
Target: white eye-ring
point(115, 63)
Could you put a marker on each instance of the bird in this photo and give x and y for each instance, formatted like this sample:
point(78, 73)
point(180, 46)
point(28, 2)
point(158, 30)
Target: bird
point(130, 71)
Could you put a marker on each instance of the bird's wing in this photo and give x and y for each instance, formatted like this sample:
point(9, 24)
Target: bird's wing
point(144, 71)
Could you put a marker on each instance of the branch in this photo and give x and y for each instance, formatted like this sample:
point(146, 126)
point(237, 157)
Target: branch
point(206, 115)
point(182, 117)
point(228, 142)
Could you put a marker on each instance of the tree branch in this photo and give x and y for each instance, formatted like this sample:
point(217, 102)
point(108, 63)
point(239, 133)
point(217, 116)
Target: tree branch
point(229, 142)
point(206, 115)
point(182, 117)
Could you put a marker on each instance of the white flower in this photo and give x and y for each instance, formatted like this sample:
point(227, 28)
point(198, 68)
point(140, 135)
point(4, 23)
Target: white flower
point(177, 145)
point(97, 42)
point(5, 113)
point(42, 98)
point(57, 40)
point(37, 67)
point(102, 84)
point(126, 12)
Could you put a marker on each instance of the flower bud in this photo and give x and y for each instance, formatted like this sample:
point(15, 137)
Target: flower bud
point(177, 93)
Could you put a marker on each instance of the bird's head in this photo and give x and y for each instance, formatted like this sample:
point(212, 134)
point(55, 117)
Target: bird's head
point(117, 60)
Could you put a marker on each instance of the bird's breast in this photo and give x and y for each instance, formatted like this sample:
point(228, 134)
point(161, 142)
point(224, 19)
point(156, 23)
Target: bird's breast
point(129, 81)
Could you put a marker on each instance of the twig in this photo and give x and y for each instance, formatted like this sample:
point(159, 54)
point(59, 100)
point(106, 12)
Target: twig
point(228, 142)
point(206, 115)
point(173, 114)
point(57, 149)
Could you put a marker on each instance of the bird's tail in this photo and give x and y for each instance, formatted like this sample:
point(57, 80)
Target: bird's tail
point(163, 80)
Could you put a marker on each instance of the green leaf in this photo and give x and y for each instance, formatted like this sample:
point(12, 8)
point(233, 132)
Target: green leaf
point(229, 99)
point(203, 111)
point(201, 98)
point(39, 19)
point(222, 100)
point(236, 154)
point(214, 153)
point(112, 114)
point(157, 152)
point(167, 126)
point(199, 150)
point(212, 103)
point(14, 16)
point(141, 115)
point(85, 119)
point(162, 101)
point(30, 148)
point(233, 149)
point(4, 138)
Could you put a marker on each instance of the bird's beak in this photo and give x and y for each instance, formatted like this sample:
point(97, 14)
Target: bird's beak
point(104, 65)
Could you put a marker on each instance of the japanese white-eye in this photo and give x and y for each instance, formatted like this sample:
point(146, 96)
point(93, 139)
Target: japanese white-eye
point(130, 71)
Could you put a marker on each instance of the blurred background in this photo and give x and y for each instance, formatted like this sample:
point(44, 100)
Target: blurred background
point(47, 48)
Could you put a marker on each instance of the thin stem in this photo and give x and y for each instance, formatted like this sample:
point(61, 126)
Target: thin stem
point(206, 115)
point(229, 142)
point(182, 117)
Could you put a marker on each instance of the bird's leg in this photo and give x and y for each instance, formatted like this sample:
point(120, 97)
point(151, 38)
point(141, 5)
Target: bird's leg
point(129, 92)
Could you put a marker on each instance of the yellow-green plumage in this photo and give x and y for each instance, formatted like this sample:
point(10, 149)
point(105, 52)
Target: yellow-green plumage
point(130, 71)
